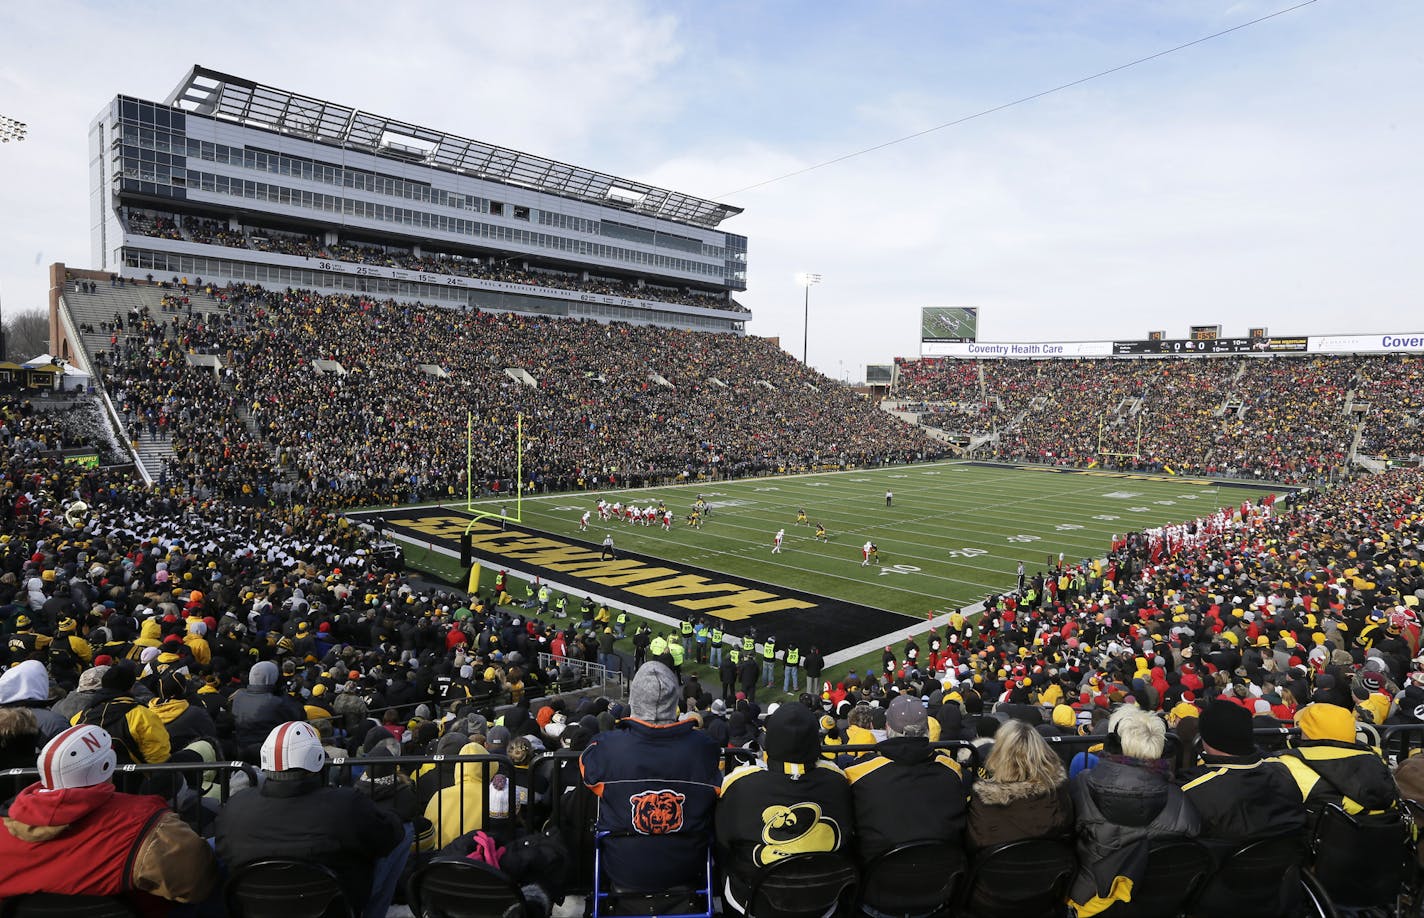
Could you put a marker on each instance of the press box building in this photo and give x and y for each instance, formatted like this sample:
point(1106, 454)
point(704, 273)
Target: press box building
point(230, 180)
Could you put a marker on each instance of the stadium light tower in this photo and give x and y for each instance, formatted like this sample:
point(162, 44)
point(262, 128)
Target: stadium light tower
point(807, 281)
point(10, 129)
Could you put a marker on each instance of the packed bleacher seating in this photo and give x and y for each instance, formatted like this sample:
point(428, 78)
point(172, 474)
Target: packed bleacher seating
point(1283, 419)
point(384, 431)
point(1394, 389)
point(265, 239)
point(1253, 679)
point(147, 224)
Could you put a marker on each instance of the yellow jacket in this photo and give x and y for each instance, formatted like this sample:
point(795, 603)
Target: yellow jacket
point(147, 740)
point(460, 807)
point(202, 652)
point(150, 634)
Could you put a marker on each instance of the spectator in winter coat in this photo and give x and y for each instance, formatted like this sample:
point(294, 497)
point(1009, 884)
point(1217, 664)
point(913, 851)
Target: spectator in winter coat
point(792, 802)
point(656, 778)
point(139, 735)
point(714, 723)
point(1329, 766)
point(293, 814)
point(72, 833)
point(904, 768)
point(1123, 804)
point(260, 708)
point(1241, 798)
point(185, 722)
point(82, 697)
point(1025, 793)
point(26, 685)
point(460, 808)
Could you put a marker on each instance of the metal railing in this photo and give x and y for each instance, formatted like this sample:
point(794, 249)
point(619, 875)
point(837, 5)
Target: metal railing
point(194, 790)
point(589, 675)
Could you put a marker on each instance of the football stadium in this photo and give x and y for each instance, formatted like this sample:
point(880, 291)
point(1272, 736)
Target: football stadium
point(398, 523)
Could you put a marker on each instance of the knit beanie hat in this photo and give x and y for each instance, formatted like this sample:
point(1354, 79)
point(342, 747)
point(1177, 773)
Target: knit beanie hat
point(119, 677)
point(1227, 727)
point(1326, 721)
point(654, 693)
point(792, 736)
point(262, 674)
point(172, 685)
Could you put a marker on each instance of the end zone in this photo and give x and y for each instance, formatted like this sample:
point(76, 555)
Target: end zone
point(662, 590)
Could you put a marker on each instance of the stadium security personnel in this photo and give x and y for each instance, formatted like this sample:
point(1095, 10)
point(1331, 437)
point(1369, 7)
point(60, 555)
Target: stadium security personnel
point(621, 624)
point(699, 634)
point(543, 600)
point(791, 676)
point(714, 655)
point(768, 660)
point(674, 650)
point(657, 647)
point(687, 628)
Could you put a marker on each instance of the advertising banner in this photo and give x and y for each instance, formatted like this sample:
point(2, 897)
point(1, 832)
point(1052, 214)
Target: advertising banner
point(1408, 342)
point(1017, 349)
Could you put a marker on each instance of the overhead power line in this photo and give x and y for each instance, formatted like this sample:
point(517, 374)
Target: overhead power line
point(1029, 98)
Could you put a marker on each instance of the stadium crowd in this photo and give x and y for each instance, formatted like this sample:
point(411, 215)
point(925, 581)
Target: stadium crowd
point(1282, 419)
point(1394, 390)
point(1109, 704)
point(264, 239)
point(612, 404)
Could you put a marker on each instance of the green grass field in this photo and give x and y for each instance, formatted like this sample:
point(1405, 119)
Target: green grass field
point(955, 533)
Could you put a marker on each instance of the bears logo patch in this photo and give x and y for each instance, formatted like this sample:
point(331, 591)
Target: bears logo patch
point(658, 812)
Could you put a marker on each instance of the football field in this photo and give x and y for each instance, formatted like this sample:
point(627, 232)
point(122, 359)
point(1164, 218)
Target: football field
point(955, 531)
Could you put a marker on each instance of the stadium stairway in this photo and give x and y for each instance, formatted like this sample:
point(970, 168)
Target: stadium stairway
point(90, 309)
point(909, 417)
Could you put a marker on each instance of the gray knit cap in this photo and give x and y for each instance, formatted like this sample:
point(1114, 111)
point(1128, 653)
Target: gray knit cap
point(654, 693)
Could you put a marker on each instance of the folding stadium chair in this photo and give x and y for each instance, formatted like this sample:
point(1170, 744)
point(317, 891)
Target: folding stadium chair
point(279, 888)
point(920, 878)
point(1239, 886)
point(1175, 873)
point(54, 905)
point(463, 889)
point(1022, 879)
point(804, 886)
point(1360, 865)
point(675, 902)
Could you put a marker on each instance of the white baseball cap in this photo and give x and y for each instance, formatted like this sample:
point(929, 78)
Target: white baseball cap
point(81, 756)
point(293, 744)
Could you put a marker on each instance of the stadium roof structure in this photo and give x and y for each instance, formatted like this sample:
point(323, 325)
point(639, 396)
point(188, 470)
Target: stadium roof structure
point(242, 101)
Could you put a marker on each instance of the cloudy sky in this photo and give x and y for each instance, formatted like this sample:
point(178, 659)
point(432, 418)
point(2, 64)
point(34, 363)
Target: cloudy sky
point(1270, 177)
